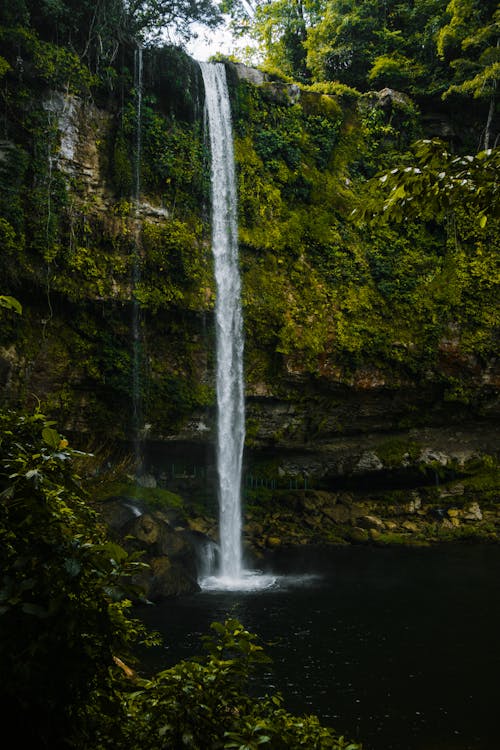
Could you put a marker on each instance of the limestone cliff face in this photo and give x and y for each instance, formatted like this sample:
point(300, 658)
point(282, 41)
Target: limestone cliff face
point(349, 337)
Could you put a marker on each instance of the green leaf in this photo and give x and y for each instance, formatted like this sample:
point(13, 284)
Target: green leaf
point(34, 609)
point(11, 303)
point(51, 437)
point(72, 566)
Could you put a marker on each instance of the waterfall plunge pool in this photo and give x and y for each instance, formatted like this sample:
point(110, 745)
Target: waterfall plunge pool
point(397, 648)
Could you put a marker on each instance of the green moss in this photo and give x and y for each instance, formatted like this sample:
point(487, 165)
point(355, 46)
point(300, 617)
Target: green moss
point(322, 297)
point(484, 484)
point(50, 64)
point(174, 266)
point(155, 498)
point(395, 451)
point(313, 284)
point(122, 168)
point(387, 539)
point(483, 533)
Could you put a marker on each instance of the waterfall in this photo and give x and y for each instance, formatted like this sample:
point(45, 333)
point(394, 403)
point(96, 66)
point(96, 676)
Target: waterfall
point(137, 416)
point(228, 320)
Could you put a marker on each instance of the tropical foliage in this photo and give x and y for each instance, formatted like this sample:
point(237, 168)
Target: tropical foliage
point(63, 610)
point(325, 297)
point(67, 639)
point(418, 47)
point(470, 43)
point(437, 183)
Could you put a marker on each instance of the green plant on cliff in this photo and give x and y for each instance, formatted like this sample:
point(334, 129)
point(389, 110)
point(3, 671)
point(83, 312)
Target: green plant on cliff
point(461, 194)
point(317, 290)
point(437, 182)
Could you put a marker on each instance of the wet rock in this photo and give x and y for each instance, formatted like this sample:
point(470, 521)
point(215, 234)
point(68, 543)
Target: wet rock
point(273, 541)
point(430, 456)
point(357, 534)
point(146, 480)
point(457, 489)
point(253, 528)
point(119, 511)
point(370, 522)
point(415, 503)
point(174, 517)
point(164, 578)
point(170, 555)
point(369, 461)
point(201, 525)
point(339, 513)
point(311, 503)
point(473, 512)
point(409, 526)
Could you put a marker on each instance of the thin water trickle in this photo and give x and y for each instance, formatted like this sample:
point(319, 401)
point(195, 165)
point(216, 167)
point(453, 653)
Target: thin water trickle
point(137, 415)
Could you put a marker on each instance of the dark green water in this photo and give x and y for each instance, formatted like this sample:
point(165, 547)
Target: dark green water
point(398, 648)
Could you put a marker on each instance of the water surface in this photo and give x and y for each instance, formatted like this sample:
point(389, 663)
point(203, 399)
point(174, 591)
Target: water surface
point(395, 647)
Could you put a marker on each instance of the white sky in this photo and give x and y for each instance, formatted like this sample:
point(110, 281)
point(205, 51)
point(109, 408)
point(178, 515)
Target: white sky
point(209, 42)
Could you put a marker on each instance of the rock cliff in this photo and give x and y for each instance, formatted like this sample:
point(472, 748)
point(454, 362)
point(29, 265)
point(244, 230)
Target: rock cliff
point(353, 338)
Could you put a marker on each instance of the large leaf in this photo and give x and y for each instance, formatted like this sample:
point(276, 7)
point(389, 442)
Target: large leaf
point(11, 303)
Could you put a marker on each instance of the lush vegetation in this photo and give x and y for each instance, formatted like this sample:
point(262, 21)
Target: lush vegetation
point(422, 47)
point(369, 246)
point(324, 295)
point(68, 645)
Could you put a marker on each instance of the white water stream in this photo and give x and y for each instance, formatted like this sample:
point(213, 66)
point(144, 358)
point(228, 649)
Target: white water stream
point(229, 335)
point(228, 320)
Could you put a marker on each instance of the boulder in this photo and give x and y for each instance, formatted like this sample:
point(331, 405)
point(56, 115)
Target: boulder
point(431, 456)
point(118, 511)
point(370, 522)
point(339, 513)
point(409, 526)
point(387, 98)
point(170, 555)
point(369, 461)
point(415, 503)
point(163, 579)
point(357, 534)
point(146, 480)
point(273, 542)
point(473, 512)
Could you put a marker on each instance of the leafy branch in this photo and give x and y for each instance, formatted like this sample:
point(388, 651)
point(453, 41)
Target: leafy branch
point(433, 186)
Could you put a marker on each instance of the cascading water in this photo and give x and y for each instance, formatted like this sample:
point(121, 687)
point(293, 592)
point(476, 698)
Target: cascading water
point(229, 328)
point(229, 334)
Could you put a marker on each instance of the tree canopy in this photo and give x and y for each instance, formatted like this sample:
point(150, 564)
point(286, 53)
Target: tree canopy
point(470, 43)
point(94, 29)
point(419, 47)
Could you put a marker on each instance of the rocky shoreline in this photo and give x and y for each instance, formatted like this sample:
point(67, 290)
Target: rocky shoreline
point(454, 502)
